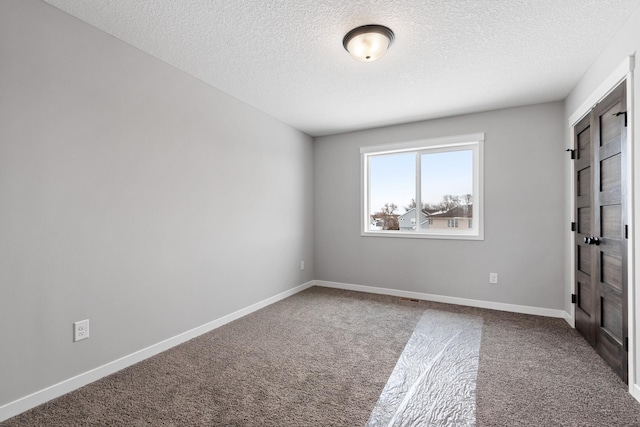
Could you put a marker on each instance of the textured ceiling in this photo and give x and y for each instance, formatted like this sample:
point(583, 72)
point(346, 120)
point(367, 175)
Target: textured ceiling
point(285, 57)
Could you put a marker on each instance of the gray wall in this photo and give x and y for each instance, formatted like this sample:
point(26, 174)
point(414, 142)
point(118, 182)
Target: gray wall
point(625, 43)
point(131, 194)
point(524, 214)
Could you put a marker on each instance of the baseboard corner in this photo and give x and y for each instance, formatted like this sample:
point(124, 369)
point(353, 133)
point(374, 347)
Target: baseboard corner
point(569, 319)
point(635, 392)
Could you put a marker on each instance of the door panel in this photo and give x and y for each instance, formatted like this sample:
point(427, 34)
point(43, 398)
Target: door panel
point(611, 317)
point(584, 182)
point(585, 298)
point(610, 220)
point(610, 129)
point(584, 221)
point(601, 288)
point(610, 170)
point(611, 273)
point(584, 261)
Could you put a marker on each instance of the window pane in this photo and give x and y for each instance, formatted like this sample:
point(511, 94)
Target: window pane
point(447, 189)
point(392, 187)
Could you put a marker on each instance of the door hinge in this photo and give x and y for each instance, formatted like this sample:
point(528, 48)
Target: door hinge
point(626, 344)
point(625, 116)
point(573, 226)
point(573, 298)
point(626, 231)
point(573, 153)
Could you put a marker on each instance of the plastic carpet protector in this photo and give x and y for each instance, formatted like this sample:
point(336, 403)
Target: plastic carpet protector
point(434, 381)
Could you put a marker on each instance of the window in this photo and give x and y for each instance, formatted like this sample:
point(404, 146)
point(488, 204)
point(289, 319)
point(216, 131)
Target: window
point(429, 189)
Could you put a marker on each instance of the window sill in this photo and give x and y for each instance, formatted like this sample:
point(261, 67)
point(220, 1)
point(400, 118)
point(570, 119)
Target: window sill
point(413, 235)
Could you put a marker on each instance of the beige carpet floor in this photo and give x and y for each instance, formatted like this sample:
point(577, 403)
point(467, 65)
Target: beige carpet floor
point(322, 357)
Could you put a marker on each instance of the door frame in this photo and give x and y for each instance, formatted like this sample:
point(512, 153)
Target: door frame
point(622, 72)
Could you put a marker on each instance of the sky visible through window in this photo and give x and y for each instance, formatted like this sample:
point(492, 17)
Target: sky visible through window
point(393, 177)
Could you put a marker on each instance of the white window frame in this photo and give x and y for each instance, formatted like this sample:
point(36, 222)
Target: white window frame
point(473, 142)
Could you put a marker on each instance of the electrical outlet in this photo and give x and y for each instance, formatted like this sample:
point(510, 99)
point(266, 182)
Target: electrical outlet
point(301, 265)
point(493, 277)
point(81, 330)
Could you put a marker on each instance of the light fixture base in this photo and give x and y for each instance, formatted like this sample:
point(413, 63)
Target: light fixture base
point(368, 42)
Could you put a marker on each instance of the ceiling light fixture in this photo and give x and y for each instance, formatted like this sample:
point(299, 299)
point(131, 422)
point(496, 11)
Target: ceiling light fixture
point(368, 43)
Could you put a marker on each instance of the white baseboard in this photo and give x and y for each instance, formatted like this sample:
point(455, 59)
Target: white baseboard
point(16, 407)
point(635, 391)
point(525, 309)
point(570, 320)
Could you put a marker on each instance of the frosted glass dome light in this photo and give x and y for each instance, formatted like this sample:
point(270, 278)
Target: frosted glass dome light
point(368, 43)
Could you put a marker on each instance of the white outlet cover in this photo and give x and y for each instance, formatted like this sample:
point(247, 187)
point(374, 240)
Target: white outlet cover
point(493, 277)
point(81, 330)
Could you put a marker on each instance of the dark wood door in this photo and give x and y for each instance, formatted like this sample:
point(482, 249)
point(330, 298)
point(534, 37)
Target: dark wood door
point(585, 287)
point(601, 256)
